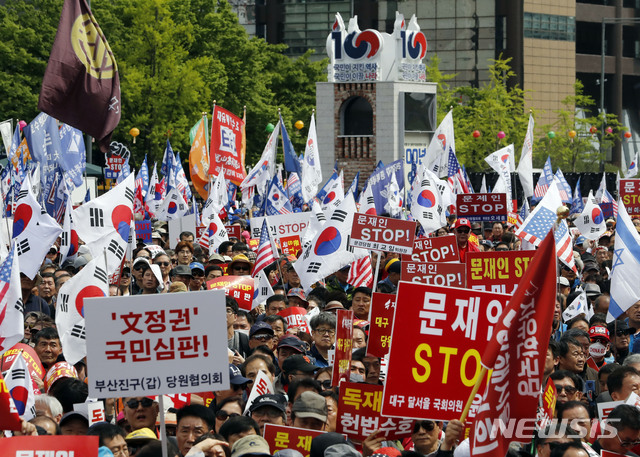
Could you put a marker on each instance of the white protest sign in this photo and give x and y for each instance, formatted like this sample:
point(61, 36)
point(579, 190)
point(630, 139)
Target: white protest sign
point(177, 226)
point(167, 343)
point(282, 225)
point(262, 385)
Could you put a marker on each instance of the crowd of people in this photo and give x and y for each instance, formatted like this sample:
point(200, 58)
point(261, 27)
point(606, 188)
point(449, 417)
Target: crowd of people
point(588, 360)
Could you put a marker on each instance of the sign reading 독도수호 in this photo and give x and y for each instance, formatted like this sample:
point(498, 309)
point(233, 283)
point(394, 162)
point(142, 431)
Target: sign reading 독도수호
point(159, 344)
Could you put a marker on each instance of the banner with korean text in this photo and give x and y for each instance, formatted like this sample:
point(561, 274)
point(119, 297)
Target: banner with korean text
point(343, 347)
point(434, 249)
point(282, 437)
point(282, 225)
point(382, 233)
point(240, 288)
point(450, 274)
point(226, 151)
point(498, 272)
point(482, 207)
point(382, 308)
point(439, 334)
point(58, 446)
point(630, 195)
point(133, 344)
point(359, 417)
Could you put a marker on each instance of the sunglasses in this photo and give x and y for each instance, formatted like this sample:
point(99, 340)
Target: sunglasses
point(462, 230)
point(570, 390)
point(125, 275)
point(427, 425)
point(163, 264)
point(326, 384)
point(242, 268)
point(223, 415)
point(140, 267)
point(133, 403)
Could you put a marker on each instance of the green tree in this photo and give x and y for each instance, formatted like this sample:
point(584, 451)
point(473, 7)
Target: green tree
point(569, 141)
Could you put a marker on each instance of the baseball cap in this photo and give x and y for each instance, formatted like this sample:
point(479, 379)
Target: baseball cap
point(322, 442)
point(297, 292)
point(462, 222)
point(563, 281)
point(181, 270)
point(260, 326)
point(293, 343)
point(216, 258)
point(599, 331)
point(276, 400)
point(73, 414)
point(142, 434)
point(250, 445)
point(138, 260)
point(298, 362)
point(580, 240)
point(235, 375)
point(310, 404)
point(196, 266)
point(342, 450)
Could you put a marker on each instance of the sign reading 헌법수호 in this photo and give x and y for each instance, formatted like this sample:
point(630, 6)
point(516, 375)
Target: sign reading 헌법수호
point(434, 249)
point(630, 195)
point(382, 233)
point(359, 416)
point(382, 308)
point(482, 207)
point(282, 437)
point(439, 335)
point(440, 274)
point(133, 344)
point(282, 225)
point(498, 272)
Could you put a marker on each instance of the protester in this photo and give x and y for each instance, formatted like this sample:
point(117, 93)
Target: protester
point(269, 409)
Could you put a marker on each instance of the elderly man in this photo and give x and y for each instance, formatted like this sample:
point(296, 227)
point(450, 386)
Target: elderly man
point(193, 421)
point(269, 409)
point(462, 230)
point(309, 411)
point(48, 346)
point(624, 426)
point(140, 412)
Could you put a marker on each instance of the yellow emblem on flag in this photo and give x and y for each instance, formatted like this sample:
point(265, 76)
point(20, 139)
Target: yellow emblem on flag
point(91, 47)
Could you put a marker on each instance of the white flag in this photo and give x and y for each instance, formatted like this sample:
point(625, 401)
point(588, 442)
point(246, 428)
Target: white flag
point(91, 281)
point(525, 166)
point(316, 222)
point(34, 231)
point(69, 238)
point(426, 202)
point(11, 307)
point(578, 306)
point(311, 175)
point(591, 221)
point(334, 193)
point(438, 150)
point(263, 171)
point(19, 384)
point(500, 161)
point(218, 195)
point(329, 251)
point(173, 206)
point(262, 289)
point(394, 199)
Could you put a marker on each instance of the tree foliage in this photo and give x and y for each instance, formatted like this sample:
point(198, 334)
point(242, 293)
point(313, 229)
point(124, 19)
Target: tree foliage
point(175, 57)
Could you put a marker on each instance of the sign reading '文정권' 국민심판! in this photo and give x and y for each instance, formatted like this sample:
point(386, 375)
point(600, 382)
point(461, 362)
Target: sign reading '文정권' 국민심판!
point(133, 344)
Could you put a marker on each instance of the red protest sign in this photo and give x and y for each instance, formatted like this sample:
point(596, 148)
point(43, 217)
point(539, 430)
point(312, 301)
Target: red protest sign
point(382, 308)
point(548, 406)
point(344, 347)
point(439, 334)
point(29, 354)
point(434, 249)
point(439, 274)
point(282, 437)
point(382, 233)
point(199, 231)
point(482, 207)
point(238, 287)
point(291, 245)
point(58, 445)
point(296, 317)
point(226, 149)
point(498, 272)
point(359, 416)
point(630, 195)
point(234, 231)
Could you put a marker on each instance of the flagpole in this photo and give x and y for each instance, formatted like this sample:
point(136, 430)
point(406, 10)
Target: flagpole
point(375, 277)
point(476, 387)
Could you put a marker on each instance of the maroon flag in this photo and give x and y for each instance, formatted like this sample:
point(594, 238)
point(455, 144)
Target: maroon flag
point(516, 354)
point(81, 86)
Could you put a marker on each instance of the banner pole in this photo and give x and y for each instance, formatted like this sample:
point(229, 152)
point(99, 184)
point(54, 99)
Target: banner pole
point(375, 275)
point(476, 387)
point(163, 428)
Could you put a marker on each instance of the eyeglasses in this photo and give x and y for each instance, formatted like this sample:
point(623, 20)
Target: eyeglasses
point(627, 443)
point(262, 337)
point(463, 230)
point(133, 403)
point(163, 264)
point(326, 384)
point(223, 415)
point(570, 390)
point(29, 326)
point(427, 425)
point(325, 331)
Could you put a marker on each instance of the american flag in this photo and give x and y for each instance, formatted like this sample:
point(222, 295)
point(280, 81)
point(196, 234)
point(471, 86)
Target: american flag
point(361, 273)
point(456, 176)
point(541, 220)
point(265, 256)
point(11, 317)
point(607, 198)
point(563, 187)
point(545, 179)
point(564, 247)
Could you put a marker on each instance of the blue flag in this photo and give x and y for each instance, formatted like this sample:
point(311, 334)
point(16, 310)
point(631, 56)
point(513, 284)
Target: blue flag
point(74, 157)
point(577, 205)
point(354, 186)
point(142, 179)
point(380, 180)
point(291, 162)
point(544, 181)
point(294, 190)
point(167, 161)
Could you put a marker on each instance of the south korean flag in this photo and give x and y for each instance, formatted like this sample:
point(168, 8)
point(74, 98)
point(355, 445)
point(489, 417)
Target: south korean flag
point(91, 281)
point(173, 206)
